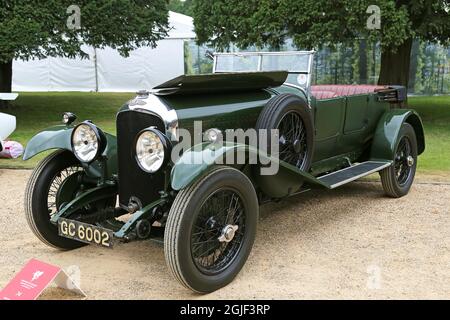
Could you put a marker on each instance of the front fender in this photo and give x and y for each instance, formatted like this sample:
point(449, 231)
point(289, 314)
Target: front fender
point(59, 137)
point(388, 129)
point(195, 161)
point(201, 158)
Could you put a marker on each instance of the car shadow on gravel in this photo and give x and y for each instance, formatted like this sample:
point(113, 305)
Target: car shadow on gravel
point(355, 190)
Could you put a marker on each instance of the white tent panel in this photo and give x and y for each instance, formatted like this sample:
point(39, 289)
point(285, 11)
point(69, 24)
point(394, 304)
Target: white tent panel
point(55, 74)
point(143, 69)
point(32, 75)
point(182, 26)
point(76, 74)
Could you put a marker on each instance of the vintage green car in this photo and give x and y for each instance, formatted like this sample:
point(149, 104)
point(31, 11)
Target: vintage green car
point(173, 174)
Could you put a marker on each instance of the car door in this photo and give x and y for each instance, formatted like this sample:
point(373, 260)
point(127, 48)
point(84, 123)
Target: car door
point(355, 124)
point(329, 115)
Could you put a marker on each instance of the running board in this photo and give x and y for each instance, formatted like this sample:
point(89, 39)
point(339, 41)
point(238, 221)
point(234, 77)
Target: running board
point(340, 177)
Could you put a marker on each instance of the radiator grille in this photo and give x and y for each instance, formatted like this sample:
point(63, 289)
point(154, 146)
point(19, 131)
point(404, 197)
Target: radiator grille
point(133, 182)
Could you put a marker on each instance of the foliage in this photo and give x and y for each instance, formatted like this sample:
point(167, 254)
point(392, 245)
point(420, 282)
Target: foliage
point(313, 23)
point(30, 29)
point(195, 59)
point(435, 113)
point(183, 7)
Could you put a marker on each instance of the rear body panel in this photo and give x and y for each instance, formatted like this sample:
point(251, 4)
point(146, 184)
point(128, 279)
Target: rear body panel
point(345, 127)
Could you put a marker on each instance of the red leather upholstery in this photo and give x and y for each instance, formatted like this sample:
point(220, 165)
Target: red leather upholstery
point(324, 94)
point(328, 91)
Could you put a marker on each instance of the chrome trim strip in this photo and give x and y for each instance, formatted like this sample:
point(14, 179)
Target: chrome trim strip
point(148, 102)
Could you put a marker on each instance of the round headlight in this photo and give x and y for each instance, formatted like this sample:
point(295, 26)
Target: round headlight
point(87, 142)
point(151, 150)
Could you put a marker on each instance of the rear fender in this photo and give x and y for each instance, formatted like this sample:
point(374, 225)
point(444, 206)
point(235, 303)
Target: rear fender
point(388, 130)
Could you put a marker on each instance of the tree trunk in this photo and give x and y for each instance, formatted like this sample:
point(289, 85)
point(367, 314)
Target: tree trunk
point(362, 65)
point(5, 81)
point(374, 63)
point(413, 66)
point(394, 67)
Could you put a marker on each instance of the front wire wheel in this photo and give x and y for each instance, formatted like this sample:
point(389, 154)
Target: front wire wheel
point(55, 196)
point(210, 230)
point(44, 195)
point(217, 237)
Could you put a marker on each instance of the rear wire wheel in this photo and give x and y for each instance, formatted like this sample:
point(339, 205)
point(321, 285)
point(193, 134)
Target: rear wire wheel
point(399, 177)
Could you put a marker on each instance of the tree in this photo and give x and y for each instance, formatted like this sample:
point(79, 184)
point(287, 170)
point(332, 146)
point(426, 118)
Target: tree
point(413, 66)
point(362, 65)
point(318, 23)
point(181, 6)
point(32, 29)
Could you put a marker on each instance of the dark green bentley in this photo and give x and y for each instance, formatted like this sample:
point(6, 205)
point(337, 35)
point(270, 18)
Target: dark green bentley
point(172, 173)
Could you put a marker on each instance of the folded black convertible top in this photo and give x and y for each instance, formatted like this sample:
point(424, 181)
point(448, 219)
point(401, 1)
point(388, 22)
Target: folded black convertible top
point(222, 82)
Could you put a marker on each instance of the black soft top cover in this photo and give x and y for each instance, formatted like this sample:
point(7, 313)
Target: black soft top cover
point(222, 82)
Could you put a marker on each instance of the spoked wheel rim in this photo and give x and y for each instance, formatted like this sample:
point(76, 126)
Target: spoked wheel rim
point(293, 140)
point(218, 231)
point(404, 161)
point(54, 192)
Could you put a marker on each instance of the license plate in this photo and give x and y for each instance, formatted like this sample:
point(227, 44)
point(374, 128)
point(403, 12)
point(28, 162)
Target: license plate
point(84, 232)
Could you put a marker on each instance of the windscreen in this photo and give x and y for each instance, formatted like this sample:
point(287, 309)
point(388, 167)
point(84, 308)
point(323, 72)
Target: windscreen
point(298, 64)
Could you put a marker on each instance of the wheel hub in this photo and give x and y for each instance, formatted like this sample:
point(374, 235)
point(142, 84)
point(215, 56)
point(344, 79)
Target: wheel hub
point(297, 145)
point(410, 161)
point(228, 233)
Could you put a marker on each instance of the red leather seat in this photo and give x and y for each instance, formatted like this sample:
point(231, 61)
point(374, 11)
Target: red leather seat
point(324, 91)
point(323, 94)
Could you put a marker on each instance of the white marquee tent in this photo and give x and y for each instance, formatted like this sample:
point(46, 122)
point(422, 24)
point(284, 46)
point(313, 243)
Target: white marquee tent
point(106, 70)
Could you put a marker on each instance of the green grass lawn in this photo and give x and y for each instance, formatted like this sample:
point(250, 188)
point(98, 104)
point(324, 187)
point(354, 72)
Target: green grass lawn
point(36, 111)
point(435, 114)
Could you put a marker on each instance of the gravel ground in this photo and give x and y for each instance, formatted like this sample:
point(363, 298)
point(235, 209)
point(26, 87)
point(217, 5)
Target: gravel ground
point(350, 243)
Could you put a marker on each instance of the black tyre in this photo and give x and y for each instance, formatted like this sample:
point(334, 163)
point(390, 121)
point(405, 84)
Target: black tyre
point(42, 197)
point(292, 117)
point(210, 230)
point(398, 178)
